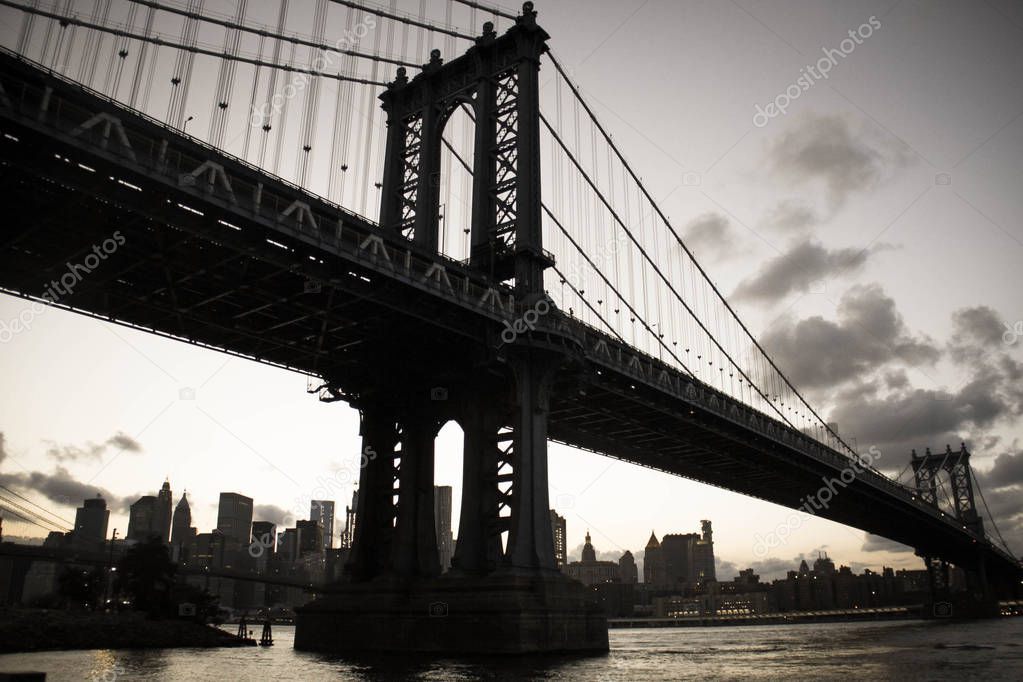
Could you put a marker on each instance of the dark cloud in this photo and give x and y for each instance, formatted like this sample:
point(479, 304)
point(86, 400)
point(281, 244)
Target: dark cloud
point(61, 487)
point(869, 334)
point(273, 514)
point(908, 417)
point(1007, 471)
point(710, 236)
point(792, 217)
point(92, 451)
point(825, 150)
point(3, 448)
point(799, 269)
point(876, 543)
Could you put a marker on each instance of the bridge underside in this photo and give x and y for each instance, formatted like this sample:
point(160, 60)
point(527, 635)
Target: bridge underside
point(268, 272)
point(190, 277)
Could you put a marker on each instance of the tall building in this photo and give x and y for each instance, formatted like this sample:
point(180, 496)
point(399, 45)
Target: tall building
point(653, 566)
point(287, 545)
point(264, 543)
point(627, 568)
point(680, 559)
point(181, 526)
point(183, 534)
point(162, 512)
point(310, 537)
point(234, 518)
point(703, 558)
point(442, 523)
point(91, 520)
point(348, 534)
point(322, 511)
point(141, 516)
point(558, 532)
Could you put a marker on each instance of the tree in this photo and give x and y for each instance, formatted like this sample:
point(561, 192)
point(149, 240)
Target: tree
point(145, 575)
point(77, 586)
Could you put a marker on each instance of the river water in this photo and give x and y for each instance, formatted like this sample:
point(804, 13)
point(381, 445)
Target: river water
point(987, 650)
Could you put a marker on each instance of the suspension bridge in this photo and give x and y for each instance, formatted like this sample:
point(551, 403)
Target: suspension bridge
point(520, 279)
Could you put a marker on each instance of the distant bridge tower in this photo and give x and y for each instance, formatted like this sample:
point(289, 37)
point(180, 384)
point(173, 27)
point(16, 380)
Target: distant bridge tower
point(927, 469)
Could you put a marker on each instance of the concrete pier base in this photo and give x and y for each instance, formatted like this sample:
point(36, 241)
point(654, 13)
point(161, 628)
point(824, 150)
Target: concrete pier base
point(497, 614)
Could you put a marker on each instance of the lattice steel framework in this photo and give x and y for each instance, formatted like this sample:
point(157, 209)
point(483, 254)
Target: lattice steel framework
point(497, 80)
point(928, 467)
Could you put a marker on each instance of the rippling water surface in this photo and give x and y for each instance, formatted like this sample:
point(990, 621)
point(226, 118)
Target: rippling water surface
point(991, 650)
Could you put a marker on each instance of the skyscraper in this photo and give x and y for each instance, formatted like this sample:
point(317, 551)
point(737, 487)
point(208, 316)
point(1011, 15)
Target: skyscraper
point(653, 566)
point(162, 512)
point(310, 537)
point(558, 532)
point(442, 524)
point(182, 532)
point(348, 534)
point(234, 518)
point(140, 519)
point(91, 520)
point(322, 511)
point(627, 568)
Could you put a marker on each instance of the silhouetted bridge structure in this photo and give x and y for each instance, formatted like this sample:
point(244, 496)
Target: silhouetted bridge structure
point(167, 234)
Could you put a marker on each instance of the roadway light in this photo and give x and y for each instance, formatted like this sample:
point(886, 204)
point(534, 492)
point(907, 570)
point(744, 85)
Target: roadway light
point(184, 129)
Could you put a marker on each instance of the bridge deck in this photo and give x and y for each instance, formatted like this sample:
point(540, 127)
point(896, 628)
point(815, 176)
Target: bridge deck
point(218, 253)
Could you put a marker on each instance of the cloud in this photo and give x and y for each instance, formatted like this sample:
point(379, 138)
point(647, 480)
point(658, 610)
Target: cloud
point(1007, 471)
point(3, 448)
point(792, 217)
point(869, 334)
point(91, 451)
point(61, 487)
point(273, 514)
point(710, 235)
point(602, 555)
point(876, 543)
point(799, 269)
point(825, 150)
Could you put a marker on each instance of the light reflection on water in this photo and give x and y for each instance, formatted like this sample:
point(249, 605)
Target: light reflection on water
point(991, 650)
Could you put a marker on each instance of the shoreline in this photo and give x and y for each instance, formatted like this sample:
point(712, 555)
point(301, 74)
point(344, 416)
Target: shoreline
point(36, 630)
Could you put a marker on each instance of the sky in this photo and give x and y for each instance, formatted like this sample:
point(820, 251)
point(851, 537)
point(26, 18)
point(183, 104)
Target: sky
point(869, 235)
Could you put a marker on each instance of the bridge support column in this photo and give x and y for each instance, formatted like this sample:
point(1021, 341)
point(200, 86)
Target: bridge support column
point(415, 535)
point(530, 542)
point(375, 510)
point(479, 550)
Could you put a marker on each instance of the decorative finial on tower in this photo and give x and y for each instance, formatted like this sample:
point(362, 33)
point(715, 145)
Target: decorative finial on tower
point(434, 56)
point(488, 30)
point(402, 77)
point(528, 17)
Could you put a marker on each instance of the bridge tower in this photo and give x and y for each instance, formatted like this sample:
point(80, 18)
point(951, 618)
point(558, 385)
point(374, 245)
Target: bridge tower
point(504, 593)
point(926, 471)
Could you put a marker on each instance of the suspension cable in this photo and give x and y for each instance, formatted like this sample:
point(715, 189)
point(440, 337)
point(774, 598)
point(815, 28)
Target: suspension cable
point(490, 10)
point(34, 504)
point(236, 25)
point(678, 239)
point(196, 50)
point(405, 20)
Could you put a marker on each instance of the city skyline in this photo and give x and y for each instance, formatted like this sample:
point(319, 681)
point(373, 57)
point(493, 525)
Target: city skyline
point(902, 352)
